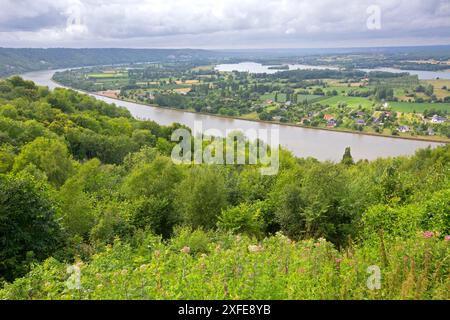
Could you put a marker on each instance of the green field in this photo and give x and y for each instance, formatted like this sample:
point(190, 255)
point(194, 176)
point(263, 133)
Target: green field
point(418, 107)
point(300, 97)
point(281, 97)
point(309, 97)
point(107, 75)
point(350, 101)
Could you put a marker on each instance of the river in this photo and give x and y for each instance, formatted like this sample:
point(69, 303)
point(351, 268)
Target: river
point(253, 67)
point(303, 142)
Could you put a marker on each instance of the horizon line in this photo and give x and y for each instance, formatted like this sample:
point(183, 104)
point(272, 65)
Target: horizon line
point(238, 48)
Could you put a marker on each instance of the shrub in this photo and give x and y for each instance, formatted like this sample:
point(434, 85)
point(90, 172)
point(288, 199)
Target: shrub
point(245, 218)
point(28, 227)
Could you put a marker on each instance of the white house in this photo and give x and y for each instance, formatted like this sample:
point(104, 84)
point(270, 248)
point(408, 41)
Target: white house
point(438, 119)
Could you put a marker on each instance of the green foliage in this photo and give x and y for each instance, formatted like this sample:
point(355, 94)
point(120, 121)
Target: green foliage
point(347, 158)
point(81, 180)
point(157, 178)
point(191, 241)
point(404, 221)
point(245, 218)
point(144, 137)
point(311, 203)
point(201, 196)
point(28, 227)
point(6, 158)
point(199, 265)
point(77, 209)
point(48, 155)
point(13, 61)
point(112, 222)
point(151, 187)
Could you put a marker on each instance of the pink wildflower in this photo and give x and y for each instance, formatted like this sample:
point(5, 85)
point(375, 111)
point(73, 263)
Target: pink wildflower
point(338, 263)
point(447, 238)
point(428, 234)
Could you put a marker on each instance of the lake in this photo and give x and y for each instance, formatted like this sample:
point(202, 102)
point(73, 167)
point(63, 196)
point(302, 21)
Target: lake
point(303, 142)
point(253, 67)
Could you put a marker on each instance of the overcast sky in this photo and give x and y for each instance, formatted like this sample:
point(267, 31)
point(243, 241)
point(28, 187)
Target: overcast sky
point(223, 23)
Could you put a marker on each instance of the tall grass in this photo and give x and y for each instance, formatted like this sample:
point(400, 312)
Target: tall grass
point(237, 267)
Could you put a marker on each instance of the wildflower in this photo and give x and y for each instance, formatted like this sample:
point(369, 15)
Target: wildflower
point(124, 272)
point(447, 238)
point(142, 267)
point(428, 234)
point(204, 255)
point(253, 248)
point(338, 263)
point(157, 254)
point(186, 249)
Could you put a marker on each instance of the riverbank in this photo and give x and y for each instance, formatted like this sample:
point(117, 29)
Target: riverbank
point(415, 138)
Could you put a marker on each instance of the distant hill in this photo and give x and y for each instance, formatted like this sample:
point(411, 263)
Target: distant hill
point(20, 60)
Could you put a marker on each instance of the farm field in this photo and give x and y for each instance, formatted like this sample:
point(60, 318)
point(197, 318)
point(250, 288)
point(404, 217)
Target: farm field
point(107, 75)
point(350, 101)
point(439, 86)
point(309, 98)
point(418, 107)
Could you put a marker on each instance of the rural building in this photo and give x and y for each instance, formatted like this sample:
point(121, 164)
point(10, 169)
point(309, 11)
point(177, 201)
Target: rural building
point(331, 123)
point(438, 119)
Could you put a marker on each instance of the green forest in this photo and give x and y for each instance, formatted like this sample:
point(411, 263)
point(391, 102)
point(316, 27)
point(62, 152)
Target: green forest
point(92, 207)
point(20, 60)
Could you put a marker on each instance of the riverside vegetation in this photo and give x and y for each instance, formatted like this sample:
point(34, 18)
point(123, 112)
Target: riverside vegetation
point(92, 207)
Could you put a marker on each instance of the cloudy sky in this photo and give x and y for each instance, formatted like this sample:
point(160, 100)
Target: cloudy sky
point(223, 23)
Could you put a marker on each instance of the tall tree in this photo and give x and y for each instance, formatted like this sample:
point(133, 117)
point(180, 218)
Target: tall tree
point(347, 159)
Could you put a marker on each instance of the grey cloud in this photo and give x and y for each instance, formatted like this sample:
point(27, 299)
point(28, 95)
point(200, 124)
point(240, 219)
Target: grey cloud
point(230, 22)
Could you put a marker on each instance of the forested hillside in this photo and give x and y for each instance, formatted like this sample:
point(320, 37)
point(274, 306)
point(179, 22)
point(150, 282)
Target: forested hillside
point(85, 185)
point(17, 61)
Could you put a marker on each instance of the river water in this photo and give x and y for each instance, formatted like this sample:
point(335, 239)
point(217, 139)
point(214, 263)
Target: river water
point(253, 67)
point(303, 142)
